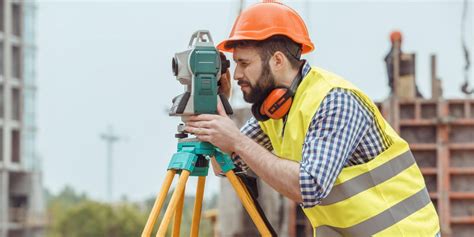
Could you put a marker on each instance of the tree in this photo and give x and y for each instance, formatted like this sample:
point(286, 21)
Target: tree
point(97, 219)
point(75, 215)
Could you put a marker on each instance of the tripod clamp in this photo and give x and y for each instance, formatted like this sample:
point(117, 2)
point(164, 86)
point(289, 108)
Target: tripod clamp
point(194, 155)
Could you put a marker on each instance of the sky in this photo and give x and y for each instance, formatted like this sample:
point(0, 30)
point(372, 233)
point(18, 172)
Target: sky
point(103, 63)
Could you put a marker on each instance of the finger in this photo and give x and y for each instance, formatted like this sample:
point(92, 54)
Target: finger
point(204, 138)
point(192, 130)
point(195, 130)
point(225, 84)
point(199, 124)
point(206, 117)
point(227, 74)
point(190, 124)
point(221, 109)
point(192, 118)
point(225, 79)
point(197, 118)
point(200, 131)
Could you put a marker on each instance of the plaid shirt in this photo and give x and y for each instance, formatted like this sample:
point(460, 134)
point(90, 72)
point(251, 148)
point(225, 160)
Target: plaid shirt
point(342, 133)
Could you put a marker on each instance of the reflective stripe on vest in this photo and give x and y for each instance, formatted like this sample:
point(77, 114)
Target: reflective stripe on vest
point(370, 179)
point(381, 221)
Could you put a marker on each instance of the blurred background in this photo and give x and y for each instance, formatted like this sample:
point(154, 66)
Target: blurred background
point(85, 88)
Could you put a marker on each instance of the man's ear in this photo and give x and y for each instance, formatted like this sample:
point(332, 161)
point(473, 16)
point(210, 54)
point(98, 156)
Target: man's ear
point(277, 61)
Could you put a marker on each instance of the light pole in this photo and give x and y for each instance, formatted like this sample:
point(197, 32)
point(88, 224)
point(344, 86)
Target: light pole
point(110, 138)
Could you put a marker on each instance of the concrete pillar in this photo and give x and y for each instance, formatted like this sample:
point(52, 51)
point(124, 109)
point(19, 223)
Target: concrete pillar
point(3, 203)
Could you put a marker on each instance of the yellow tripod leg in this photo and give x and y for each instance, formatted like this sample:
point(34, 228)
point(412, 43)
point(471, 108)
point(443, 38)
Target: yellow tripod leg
point(177, 216)
point(248, 203)
point(198, 206)
point(173, 203)
point(160, 199)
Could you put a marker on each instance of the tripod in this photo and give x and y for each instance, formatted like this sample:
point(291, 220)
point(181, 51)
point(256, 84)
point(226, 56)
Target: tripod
point(192, 159)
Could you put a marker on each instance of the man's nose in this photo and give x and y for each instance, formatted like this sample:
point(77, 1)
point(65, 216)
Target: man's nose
point(238, 73)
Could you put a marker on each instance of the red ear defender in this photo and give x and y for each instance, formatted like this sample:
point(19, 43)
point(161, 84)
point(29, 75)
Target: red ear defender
point(278, 103)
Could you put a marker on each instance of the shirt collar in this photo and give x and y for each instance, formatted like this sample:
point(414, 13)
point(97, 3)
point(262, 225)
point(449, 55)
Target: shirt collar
point(306, 68)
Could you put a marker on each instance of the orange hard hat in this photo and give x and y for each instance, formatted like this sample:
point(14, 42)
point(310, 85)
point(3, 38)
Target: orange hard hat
point(395, 36)
point(268, 18)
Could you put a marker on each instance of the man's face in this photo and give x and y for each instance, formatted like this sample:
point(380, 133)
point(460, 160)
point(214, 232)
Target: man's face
point(254, 77)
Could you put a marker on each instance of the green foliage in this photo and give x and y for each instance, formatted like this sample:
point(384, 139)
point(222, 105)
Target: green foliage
point(59, 205)
point(91, 218)
point(75, 215)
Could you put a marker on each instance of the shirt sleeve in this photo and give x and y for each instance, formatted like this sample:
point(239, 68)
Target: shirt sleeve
point(252, 129)
point(334, 133)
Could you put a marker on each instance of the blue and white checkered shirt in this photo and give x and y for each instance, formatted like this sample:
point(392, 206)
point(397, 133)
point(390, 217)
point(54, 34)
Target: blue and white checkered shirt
point(342, 133)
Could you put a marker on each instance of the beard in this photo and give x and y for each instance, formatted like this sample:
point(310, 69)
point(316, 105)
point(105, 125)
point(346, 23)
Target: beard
point(265, 84)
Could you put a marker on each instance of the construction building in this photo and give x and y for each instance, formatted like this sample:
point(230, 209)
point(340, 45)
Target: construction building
point(441, 136)
point(22, 209)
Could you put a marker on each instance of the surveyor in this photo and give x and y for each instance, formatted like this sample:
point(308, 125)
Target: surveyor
point(314, 137)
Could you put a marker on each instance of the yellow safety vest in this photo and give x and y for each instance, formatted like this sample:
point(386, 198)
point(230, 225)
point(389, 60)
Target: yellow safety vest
point(383, 197)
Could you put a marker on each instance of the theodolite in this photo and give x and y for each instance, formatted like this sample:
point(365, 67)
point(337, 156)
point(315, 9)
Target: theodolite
point(199, 69)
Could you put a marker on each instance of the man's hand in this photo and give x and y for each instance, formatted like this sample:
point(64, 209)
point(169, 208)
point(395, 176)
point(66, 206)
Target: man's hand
point(224, 82)
point(281, 174)
point(219, 129)
point(225, 87)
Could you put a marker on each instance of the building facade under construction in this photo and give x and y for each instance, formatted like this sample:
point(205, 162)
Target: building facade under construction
point(22, 210)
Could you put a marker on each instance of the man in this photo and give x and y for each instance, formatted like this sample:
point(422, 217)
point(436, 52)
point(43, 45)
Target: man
point(318, 140)
point(407, 67)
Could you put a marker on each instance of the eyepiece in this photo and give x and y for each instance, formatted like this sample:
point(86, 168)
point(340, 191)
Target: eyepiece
point(175, 66)
point(225, 63)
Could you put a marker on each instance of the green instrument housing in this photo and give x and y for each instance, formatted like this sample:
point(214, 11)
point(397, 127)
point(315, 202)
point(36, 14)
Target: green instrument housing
point(205, 64)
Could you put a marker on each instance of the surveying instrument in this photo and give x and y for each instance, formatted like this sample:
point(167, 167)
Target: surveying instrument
point(199, 69)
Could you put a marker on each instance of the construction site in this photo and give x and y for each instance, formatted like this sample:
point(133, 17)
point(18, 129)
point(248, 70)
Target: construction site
point(438, 129)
